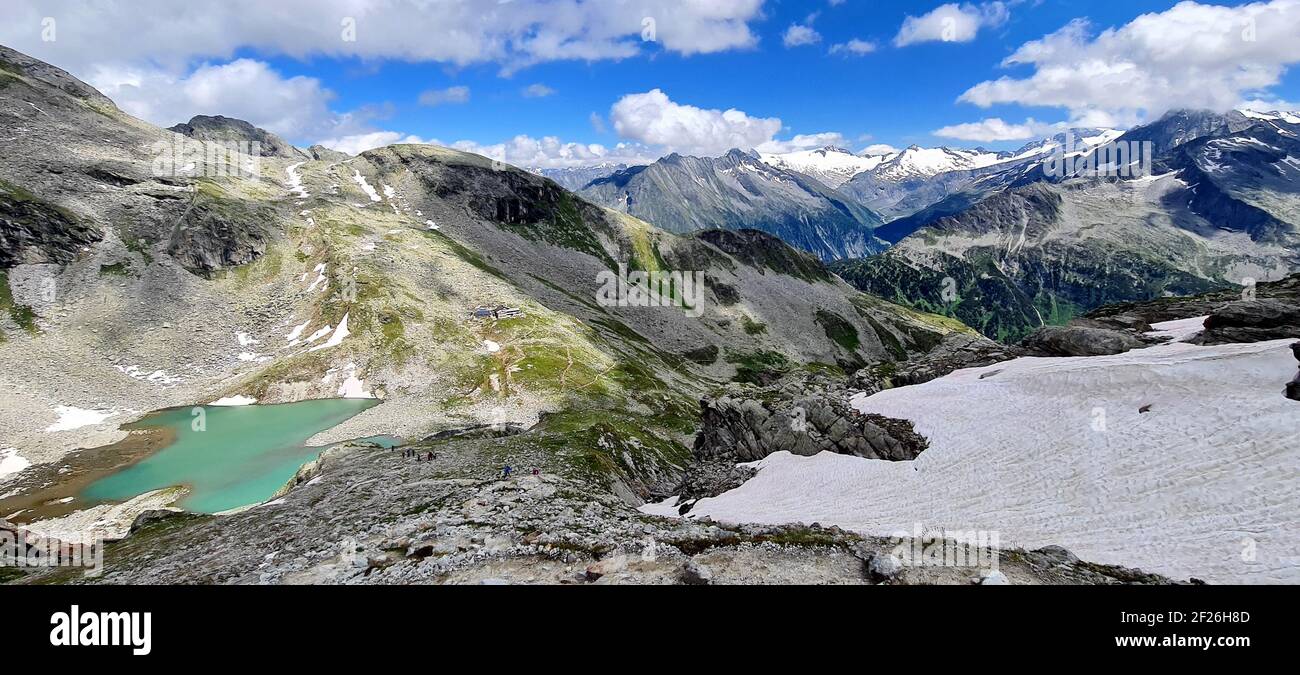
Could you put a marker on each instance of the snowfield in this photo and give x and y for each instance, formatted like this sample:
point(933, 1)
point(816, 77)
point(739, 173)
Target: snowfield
point(71, 417)
point(1205, 483)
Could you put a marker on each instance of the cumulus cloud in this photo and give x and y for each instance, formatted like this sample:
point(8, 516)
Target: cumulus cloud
point(854, 47)
point(879, 149)
point(1192, 55)
point(515, 34)
point(803, 142)
point(551, 152)
point(358, 143)
point(798, 35)
point(951, 23)
point(654, 119)
point(537, 91)
point(990, 130)
point(448, 96)
point(294, 107)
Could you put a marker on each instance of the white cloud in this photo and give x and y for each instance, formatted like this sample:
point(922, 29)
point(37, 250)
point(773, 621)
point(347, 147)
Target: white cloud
point(1192, 55)
point(514, 34)
point(951, 23)
point(537, 91)
point(879, 149)
point(358, 143)
point(246, 89)
point(854, 47)
point(449, 96)
point(653, 119)
point(798, 35)
point(989, 130)
point(551, 152)
point(803, 142)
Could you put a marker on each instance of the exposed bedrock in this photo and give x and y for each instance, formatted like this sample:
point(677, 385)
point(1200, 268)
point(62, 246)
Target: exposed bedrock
point(803, 418)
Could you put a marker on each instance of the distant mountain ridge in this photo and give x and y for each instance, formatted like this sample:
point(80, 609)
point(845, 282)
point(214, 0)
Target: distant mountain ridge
point(741, 191)
point(1021, 248)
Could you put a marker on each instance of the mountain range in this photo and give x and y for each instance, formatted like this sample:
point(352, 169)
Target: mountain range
point(150, 269)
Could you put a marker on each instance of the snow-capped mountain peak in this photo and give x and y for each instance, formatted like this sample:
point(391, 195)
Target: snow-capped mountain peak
point(1291, 117)
point(918, 162)
point(830, 165)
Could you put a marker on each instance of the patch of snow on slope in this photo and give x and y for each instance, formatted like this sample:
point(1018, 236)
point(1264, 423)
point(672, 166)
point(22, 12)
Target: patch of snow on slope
point(295, 181)
point(11, 462)
point(366, 186)
point(1056, 451)
point(1181, 330)
point(353, 387)
point(71, 417)
point(297, 331)
point(320, 279)
point(233, 401)
point(319, 334)
point(337, 338)
point(153, 377)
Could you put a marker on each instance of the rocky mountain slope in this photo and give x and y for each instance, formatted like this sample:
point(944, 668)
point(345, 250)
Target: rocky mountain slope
point(1218, 211)
point(739, 190)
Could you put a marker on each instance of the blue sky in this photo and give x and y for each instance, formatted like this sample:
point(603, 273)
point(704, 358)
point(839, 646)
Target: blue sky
point(783, 65)
point(895, 95)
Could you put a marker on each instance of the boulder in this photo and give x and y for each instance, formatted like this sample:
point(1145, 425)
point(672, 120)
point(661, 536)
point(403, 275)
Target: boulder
point(1252, 321)
point(884, 567)
point(1079, 341)
point(993, 578)
point(695, 574)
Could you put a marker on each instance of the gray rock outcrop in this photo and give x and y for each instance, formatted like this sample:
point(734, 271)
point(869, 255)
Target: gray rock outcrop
point(1252, 321)
point(1079, 341)
point(814, 418)
point(218, 129)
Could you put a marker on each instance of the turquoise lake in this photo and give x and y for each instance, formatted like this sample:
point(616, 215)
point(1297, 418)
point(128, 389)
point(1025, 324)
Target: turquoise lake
point(239, 456)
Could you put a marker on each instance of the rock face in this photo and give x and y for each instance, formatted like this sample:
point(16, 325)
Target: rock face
point(324, 154)
point(35, 231)
point(738, 190)
point(1252, 321)
point(803, 418)
point(1079, 341)
point(957, 351)
point(220, 129)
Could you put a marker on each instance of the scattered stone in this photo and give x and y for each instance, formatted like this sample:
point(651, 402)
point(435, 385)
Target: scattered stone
point(884, 567)
point(994, 578)
point(695, 574)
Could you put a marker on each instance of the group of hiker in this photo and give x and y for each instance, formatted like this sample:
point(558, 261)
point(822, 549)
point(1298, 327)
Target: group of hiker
point(419, 456)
